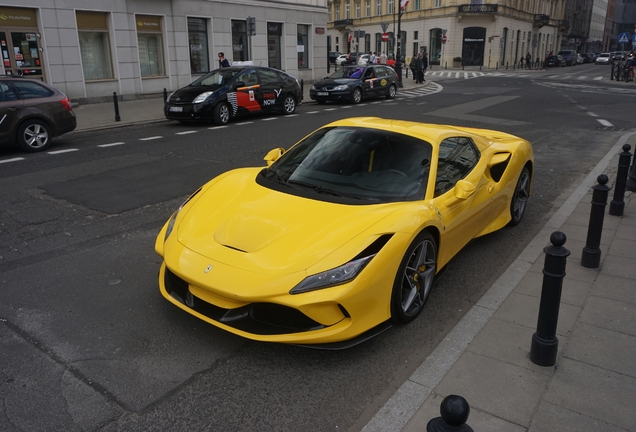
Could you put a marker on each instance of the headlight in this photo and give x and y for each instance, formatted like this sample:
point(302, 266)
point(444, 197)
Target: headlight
point(341, 87)
point(173, 218)
point(168, 98)
point(313, 87)
point(202, 97)
point(333, 277)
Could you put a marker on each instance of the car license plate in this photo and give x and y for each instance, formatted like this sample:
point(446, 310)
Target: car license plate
point(323, 93)
point(175, 109)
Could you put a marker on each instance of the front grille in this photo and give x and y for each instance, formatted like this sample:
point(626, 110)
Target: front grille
point(255, 318)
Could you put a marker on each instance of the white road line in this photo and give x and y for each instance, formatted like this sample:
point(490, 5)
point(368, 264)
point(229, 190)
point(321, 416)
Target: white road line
point(150, 138)
point(244, 123)
point(11, 160)
point(598, 78)
point(604, 122)
point(292, 115)
point(330, 109)
point(111, 144)
point(591, 114)
point(348, 106)
point(312, 112)
point(582, 77)
point(185, 132)
point(63, 151)
point(270, 119)
point(217, 127)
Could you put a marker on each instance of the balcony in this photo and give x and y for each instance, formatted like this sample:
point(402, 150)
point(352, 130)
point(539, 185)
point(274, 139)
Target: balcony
point(477, 9)
point(343, 23)
point(564, 24)
point(540, 20)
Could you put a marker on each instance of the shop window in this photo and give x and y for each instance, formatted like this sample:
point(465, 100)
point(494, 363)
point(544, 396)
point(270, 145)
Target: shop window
point(150, 45)
point(198, 40)
point(94, 40)
point(239, 41)
point(303, 46)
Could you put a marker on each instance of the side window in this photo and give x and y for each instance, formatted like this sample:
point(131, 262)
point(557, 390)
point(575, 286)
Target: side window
point(457, 157)
point(31, 90)
point(249, 77)
point(268, 76)
point(6, 93)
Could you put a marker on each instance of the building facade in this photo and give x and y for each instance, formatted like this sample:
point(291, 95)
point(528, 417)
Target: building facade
point(92, 48)
point(493, 34)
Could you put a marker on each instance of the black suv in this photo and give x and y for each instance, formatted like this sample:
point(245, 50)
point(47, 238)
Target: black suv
point(569, 57)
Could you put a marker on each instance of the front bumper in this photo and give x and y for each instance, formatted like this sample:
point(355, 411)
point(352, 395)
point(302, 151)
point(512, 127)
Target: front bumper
point(189, 112)
point(331, 95)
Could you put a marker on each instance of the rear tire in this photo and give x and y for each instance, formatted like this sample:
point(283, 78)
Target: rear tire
point(414, 278)
point(34, 135)
point(222, 114)
point(390, 93)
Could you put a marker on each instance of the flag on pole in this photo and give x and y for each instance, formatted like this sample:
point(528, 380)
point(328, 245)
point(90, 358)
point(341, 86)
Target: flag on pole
point(403, 4)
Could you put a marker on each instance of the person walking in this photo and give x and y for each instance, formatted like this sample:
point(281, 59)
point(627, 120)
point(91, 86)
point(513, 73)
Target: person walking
point(223, 62)
point(412, 67)
point(383, 58)
point(528, 61)
point(373, 59)
point(424, 66)
point(418, 68)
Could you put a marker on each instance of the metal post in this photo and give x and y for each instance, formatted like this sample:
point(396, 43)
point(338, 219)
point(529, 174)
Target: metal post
point(398, 60)
point(117, 118)
point(302, 86)
point(454, 412)
point(591, 256)
point(612, 72)
point(165, 95)
point(617, 205)
point(543, 350)
point(631, 179)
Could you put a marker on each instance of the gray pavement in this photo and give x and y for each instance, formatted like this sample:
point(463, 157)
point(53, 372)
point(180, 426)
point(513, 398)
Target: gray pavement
point(485, 358)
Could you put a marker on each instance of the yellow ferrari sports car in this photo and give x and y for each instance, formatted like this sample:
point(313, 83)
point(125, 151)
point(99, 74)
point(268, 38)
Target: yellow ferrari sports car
point(341, 235)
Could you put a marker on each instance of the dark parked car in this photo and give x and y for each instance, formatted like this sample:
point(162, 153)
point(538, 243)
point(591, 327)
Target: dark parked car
point(333, 55)
point(554, 61)
point(32, 113)
point(352, 58)
point(354, 83)
point(225, 93)
point(569, 56)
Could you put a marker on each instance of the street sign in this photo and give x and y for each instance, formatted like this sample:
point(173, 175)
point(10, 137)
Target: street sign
point(384, 26)
point(385, 37)
point(444, 39)
point(623, 38)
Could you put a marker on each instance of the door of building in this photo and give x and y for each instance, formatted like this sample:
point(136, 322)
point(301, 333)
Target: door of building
point(21, 52)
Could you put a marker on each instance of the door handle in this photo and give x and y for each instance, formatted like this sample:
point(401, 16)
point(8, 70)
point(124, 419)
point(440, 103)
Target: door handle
point(13, 109)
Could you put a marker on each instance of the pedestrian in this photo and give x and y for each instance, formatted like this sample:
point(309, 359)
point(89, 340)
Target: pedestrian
point(424, 66)
point(412, 67)
point(418, 68)
point(372, 58)
point(383, 58)
point(528, 61)
point(223, 62)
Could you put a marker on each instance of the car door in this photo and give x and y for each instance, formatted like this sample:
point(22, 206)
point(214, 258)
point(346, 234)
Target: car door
point(271, 90)
point(384, 79)
point(462, 193)
point(369, 82)
point(10, 106)
point(248, 93)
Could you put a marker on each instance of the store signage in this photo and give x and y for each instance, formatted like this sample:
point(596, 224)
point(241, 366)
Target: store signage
point(16, 17)
point(320, 30)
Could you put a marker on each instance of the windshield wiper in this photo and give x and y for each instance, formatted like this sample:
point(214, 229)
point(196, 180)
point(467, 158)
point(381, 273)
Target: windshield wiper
point(270, 173)
point(322, 189)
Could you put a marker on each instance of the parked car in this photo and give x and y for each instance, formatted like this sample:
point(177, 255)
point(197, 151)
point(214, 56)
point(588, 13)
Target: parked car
point(333, 55)
point(341, 59)
point(364, 59)
point(603, 58)
point(352, 58)
point(32, 113)
point(343, 234)
point(569, 56)
point(225, 93)
point(354, 83)
point(554, 61)
point(587, 58)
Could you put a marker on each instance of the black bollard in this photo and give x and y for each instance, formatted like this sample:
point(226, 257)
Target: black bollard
point(165, 95)
point(454, 410)
point(617, 205)
point(302, 86)
point(117, 118)
point(631, 178)
point(545, 344)
point(591, 256)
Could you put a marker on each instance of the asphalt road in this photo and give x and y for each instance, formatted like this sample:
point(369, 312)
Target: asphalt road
point(88, 343)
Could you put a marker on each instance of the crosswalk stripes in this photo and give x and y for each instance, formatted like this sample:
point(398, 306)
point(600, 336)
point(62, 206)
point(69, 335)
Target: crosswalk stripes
point(431, 88)
point(446, 74)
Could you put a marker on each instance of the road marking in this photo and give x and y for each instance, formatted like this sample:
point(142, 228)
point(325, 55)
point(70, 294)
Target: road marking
point(63, 151)
point(270, 119)
point(604, 122)
point(111, 144)
point(11, 160)
point(592, 114)
point(330, 109)
point(150, 138)
point(292, 115)
point(185, 132)
point(244, 123)
point(598, 78)
point(582, 77)
point(348, 106)
point(312, 112)
point(217, 127)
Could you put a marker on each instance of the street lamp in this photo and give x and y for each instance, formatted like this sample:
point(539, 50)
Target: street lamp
point(398, 60)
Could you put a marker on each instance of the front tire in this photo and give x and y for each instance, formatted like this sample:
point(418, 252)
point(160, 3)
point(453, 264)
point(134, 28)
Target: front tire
point(34, 135)
point(356, 96)
point(414, 278)
point(520, 197)
point(390, 93)
point(222, 114)
point(289, 105)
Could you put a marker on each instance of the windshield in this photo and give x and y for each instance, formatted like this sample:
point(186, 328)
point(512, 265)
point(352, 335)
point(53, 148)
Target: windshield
point(358, 163)
point(352, 72)
point(217, 77)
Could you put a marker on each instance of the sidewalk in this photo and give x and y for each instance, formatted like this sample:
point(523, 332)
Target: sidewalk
point(485, 358)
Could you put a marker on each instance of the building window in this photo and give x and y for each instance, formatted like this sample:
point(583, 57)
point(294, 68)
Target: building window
point(303, 46)
point(389, 7)
point(378, 8)
point(416, 5)
point(337, 12)
point(198, 39)
point(347, 9)
point(368, 8)
point(94, 45)
point(416, 35)
point(378, 43)
point(150, 42)
point(240, 50)
point(438, 3)
point(358, 9)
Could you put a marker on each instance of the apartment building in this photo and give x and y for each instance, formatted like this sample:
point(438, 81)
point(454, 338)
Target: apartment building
point(493, 34)
point(92, 48)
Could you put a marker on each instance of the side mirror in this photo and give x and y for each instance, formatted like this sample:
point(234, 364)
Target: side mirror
point(240, 84)
point(273, 155)
point(462, 191)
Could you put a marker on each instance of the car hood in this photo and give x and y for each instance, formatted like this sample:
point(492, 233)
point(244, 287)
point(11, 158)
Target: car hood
point(187, 94)
point(331, 82)
point(242, 224)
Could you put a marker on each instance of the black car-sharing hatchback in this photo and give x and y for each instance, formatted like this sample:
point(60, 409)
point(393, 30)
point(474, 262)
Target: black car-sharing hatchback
point(354, 83)
point(225, 93)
